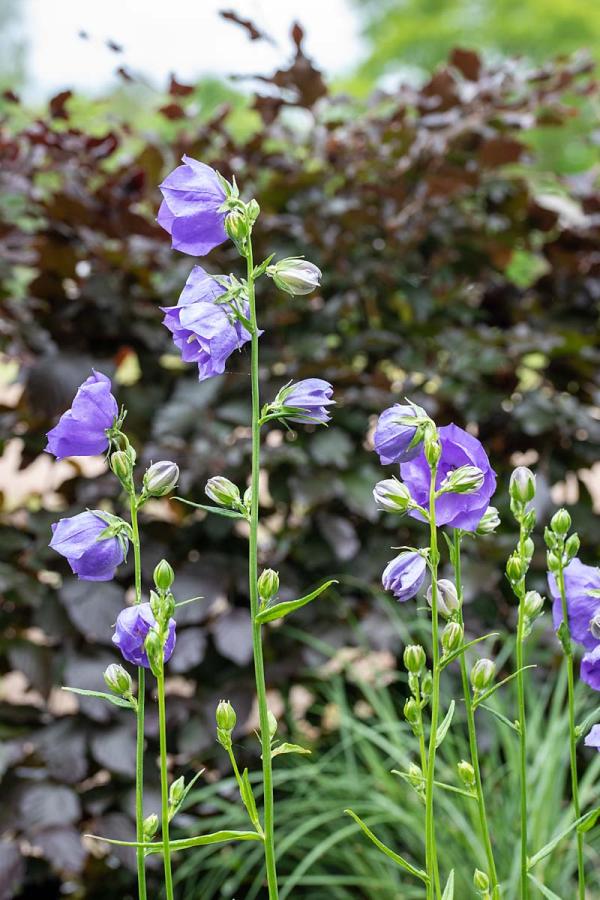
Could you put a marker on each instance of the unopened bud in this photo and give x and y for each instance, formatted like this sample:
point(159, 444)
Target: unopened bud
point(481, 882)
point(482, 674)
point(415, 775)
point(118, 680)
point(222, 491)
point(595, 627)
point(176, 791)
point(528, 549)
point(533, 603)
point(393, 496)
point(414, 658)
point(295, 276)
point(160, 478)
point(236, 226)
point(154, 650)
point(489, 521)
point(560, 522)
point(253, 210)
point(452, 637)
point(120, 463)
point(225, 716)
point(464, 480)
point(466, 773)
point(447, 598)
point(553, 562)
point(427, 684)
point(514, 568)
point(412, 714)
point(150, 826)
point(522, 485)
point(572, 545)
point(433, 449)
point(163, 575)
point(268, 585)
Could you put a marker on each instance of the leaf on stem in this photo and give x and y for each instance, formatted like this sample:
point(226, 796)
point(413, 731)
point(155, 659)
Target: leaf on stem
point(186, 791)
point(456, 653)
point(470, 795)
point(117, 701)
point(552, 843)
point(288, 748)
point(502, 718)
point(589, 720)
point(487, 694)
point(449, 889)
point(399, 860)
point(279, 610)
point(249, 801)
point(220, 511)
point(217, 837)
point(545, 891)
point(443, 729)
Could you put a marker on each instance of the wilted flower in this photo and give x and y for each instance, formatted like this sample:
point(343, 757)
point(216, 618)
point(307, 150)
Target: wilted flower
point(404, 575)
point(581, 605)
point(393, 437)
point(592, 739)
point(93, 543)
point(295, 276)
point(308, 398)
point(205, 331)
point(590, 668)
point(82, 430)
point(458, 448)
point(131, 630)
point(161, 478)
point(192, 208)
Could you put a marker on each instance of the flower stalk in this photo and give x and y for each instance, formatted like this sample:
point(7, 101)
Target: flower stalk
point(164, 781)
point(140, 713)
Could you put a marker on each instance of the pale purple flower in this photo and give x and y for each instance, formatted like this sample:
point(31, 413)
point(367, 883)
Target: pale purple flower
point(590, 668)
point(131, 630)
point(82, 430)
point(404, 575)
point(310, 397)
point(592, 739)
point(190, 211)
point(392, 439)
point(581, 607)
point(91, 557)
point(205, 331)
point(459, 448)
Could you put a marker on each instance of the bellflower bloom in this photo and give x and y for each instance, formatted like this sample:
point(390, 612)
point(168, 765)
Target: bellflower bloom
point(131, 630)
point(392, 439)
point(458, 449)
point(91, 556)
point(592, 739)
point(581, 607)
point(311, 397)
point(191, 209)
point(82, 430)
point(205, 331)
point(404, 575)
point(590, 668)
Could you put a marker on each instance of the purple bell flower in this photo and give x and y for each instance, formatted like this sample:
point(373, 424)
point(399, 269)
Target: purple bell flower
point(82, 430)
point(190, 212)
point(590, 668)
point(131, 629)
point(457, 510)
point(404, 575)
point(392, 439)
point(204, 331)
point(312, 396)
point(91, 557)
point(581, 607)
point(592, 739)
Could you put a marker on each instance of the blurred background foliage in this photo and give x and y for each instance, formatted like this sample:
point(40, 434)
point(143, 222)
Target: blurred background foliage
point(457, 228)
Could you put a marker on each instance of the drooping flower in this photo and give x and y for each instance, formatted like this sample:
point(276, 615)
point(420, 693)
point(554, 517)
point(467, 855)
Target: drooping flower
point(592, 739)
point(455, 509)
point(191, 209)
point(404, 575)
point(83, 540)
point(82, 430)
point(393, 437)
point(205, 331)
point(590, 668)
point(581, 606)
point(131, 630)
point(308, 398)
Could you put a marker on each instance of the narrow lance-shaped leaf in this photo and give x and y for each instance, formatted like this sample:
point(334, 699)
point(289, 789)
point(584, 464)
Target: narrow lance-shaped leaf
point(399, 860)
point(202, 840)
point(288, 748)
point(116, 701)
point(449, 889)
point(279, 610)
point(219, 510)
point(552, 843)
point(443, 729)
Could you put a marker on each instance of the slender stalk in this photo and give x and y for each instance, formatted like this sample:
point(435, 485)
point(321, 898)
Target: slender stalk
point(473, 749)
point(259, 670)
point(164, 783)
point(522, 723)
point(141, 696)
point(433, 886)
point(568, 648)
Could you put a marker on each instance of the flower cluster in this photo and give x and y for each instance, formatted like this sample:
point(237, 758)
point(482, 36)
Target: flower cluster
point(582, 590)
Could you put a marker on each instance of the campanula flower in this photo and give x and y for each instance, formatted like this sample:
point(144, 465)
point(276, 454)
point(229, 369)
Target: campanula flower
point(592, 739)
point(590, 668)
point(458, 448)
point(93, 542)
point(295, 276)
point(192, 208)
point(83, 429)
point(581, 607)
point(131, 630)
point(308, 398)
point(205, 331)
point(404, 575)
point(393, 437)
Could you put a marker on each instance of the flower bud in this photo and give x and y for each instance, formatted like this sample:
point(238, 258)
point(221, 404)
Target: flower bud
point(120, 463)
point(412, 714)
point(163, 575)
point(572, 545)
point(533, 603)
point(176, 791)
point(248, 498)
point(154, 650)
point(225, 716)
point(118, 680)
point(447, 598)
point(490, 520)
point(452, 637)
point(392, 495)
point(295, 276)
point(415, 775)
point(433, 448)
point(150, 826)
point(560, 522)
point(268, 585)
point(272, 724)
point(466, 773)
point(481, 882)
point(553, 562)
point(522, 485)
point(514, 568)
point(426, 685)
point(414, 658)
point(595, 627)
point(222, 491)
point(528, 549)
point(253, 210)
point(160, 478)
point(482, 674)
point(236, 226)
point(464, 480)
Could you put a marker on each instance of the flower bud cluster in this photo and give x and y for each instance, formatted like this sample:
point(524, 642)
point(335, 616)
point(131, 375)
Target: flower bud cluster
point(561, 550)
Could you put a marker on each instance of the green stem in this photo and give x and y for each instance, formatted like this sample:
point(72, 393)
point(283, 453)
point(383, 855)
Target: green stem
point(572, 732)
point(433, 885)
point(164, 783)
point(259, 669)
point(141, 696)
point(522, 723)
point(473, 749)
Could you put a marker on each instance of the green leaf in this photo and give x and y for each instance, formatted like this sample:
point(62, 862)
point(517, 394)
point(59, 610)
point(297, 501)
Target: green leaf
point(186, 791)
point(220, 511)
point(492, 690)
point(440, 784)
point(279, 610)
point(543, 889)
point(443, 729)
point(399, 860)
point(249, 801)
point(262, 267)
point(289, 748)
point(449, 889)
point(552, 843)
point(216, 837)
point(456, 653)
point(117, 701)
point(590, 821)
point(502, 718)
point(589, 720)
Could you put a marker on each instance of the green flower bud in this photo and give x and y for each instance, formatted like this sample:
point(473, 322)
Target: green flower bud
point(482, 674)
point(464, 480)
point(481, 882)
point(452, 637)
point(393, 496)
point(489, 521)
point(447, 598)
point(533, 604)
point(522, 485)
point(118, 680)
point(268, 585)
point(236, 226)
point(154, 649)
point(466, 773)
point(253, 210)
point(272, 724)
point(572, 545)
point(426, 684)
point(295, 276)
point(415, 775)
point(412, 713)
point(414, 658)
point(160, 478)
point(225, 716)
point(120, 463)
point(176, 791)
point(163, 575)
point(551, 539)
point(528, 549)
point(222, 491)
point(248, 498)
point(560, 522)
point(514, 568)
point(150, 826)
point(433, 448)
point(553, 562)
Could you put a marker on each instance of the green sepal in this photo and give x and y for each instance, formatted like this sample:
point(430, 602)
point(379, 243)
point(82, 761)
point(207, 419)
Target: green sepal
point(399, 860)
point(262, 267)
point(117, 701)
point(279, 610)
